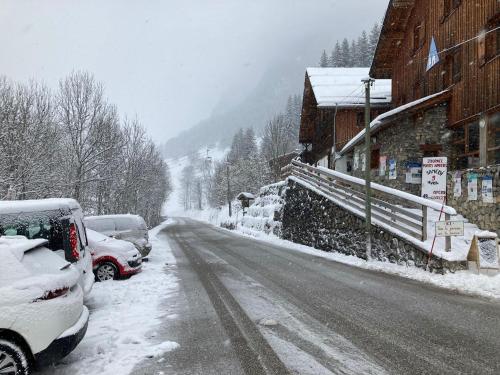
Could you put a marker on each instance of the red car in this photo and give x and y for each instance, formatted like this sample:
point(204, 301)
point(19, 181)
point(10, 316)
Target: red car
point(113, 259)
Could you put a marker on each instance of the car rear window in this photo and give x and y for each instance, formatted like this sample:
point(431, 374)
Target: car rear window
point(45, 225)
point(100, 225)
point(126, 223)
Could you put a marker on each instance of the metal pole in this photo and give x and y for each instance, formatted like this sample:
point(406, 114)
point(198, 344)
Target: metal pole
point(228, 190)
point(368, 153)
point(334, 148)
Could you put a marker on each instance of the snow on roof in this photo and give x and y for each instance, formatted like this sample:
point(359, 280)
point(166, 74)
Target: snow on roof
point(246, 195)
point(343, 87)
point(36, 205)
point(378, 121)
point(115, 216)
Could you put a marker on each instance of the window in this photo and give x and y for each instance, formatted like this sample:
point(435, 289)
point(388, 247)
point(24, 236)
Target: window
point(456, 69)
point(493, 135)
point(492, 43)
point(489, 44)
point(467, 145)
point(473, 137)
point(453, 67)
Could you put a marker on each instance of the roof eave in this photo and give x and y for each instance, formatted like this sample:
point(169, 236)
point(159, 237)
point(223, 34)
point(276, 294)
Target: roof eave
point(385, 72)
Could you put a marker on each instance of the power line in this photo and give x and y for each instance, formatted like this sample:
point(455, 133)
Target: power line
point(480, 35)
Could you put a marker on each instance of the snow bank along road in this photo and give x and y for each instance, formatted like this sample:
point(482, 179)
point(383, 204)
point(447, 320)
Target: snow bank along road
point(247, 307)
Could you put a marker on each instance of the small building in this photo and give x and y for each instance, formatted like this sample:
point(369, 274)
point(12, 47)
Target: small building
point(443, 59)
point(333, 108)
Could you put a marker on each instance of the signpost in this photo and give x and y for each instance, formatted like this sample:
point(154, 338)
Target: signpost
point(449, 228)
point(434, 178)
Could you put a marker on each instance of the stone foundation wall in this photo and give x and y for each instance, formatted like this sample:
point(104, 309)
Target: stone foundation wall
point(485, 215)
point(310, 219)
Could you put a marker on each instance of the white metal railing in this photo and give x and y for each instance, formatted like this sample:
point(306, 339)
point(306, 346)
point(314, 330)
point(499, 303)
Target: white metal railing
point(394, 209)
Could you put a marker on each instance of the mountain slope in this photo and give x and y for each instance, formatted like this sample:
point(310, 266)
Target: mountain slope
point(263, 102)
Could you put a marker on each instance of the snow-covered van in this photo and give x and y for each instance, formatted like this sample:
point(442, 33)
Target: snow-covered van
point(42, 316)
point(131, 228)
point(58, 220)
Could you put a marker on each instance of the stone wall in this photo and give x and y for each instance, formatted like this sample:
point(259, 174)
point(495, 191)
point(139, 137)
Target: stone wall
point(401, 141)
point(313, 220)
point(485, 215)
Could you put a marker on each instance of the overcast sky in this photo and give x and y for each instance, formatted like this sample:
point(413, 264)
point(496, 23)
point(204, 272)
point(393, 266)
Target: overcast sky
point(170, 62)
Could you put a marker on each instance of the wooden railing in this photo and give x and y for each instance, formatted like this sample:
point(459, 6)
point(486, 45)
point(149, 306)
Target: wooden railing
point(395, 210)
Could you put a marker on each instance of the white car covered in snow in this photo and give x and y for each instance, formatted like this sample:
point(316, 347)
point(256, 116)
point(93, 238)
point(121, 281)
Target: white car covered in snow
point(112, 258)
point(42, 316)
point(58, 220)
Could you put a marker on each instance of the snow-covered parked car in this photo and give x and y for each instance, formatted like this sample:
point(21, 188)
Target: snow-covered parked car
point(131, 228)
point(42, 316)
point(112, 258)
point(60, 221)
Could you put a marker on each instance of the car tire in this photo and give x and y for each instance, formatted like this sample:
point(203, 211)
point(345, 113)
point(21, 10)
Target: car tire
point(106, 271)
point(13, 356)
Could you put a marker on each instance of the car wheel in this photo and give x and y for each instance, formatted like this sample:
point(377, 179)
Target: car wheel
point(106, 271)
point(13, 359)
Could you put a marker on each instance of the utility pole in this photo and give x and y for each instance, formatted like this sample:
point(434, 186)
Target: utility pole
point(368, 82)
point(228, 189)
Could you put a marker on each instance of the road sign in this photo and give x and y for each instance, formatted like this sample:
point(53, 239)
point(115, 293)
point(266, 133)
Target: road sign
point(449, 228)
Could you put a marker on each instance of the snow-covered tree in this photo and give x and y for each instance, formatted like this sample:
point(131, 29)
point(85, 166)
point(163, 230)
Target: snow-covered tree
point(323, 61)
point(345, 54)
point(362, 50)
point(373, 40)
point(73, 144)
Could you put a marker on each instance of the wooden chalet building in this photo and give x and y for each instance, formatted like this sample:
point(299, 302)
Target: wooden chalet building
point(333, 107)
point(443, 59)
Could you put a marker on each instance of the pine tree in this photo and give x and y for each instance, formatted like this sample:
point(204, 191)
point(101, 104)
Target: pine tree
point(373, 40)
point(250, 148)
point(363, 53)
point(336, 58)
point(353, 56)
point(345, 53)
point(323, 62)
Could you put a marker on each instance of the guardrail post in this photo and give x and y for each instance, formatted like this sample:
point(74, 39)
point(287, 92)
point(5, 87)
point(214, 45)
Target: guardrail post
point(424, 223)
point(447, 246)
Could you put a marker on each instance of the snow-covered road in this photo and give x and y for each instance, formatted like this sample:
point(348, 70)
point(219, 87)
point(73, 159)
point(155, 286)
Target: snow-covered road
point(250, 307)
point(125, 319)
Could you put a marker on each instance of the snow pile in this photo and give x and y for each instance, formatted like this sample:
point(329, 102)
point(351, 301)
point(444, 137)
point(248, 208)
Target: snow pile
point(262, 214)
point(124, 316)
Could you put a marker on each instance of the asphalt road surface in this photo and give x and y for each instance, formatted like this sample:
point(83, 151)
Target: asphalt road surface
point(248, 307)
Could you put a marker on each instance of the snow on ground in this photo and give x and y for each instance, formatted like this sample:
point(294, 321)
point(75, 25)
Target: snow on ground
point(468, 282)
point(123, 317)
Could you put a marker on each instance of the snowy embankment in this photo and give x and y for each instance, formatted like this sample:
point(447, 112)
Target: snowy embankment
point(124, 315)
point(468, 282)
